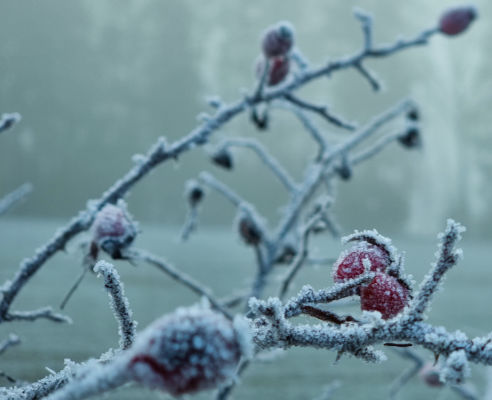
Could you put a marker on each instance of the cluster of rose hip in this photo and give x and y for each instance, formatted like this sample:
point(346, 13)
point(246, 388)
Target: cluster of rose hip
point(389, 291)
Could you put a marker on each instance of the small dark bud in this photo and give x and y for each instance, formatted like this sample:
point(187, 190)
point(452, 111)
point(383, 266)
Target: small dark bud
point(8, 120)
point(223, 159)
point(287, 255)
point(194, 193)
point(260, 121)
point(456, 20)
point(413, 115)
point(279, 69)
point(278, 40)
point(411, 139)
point(249, 232)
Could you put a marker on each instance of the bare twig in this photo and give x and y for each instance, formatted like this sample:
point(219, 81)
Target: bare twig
point(266, 157)
point(320, 110)
point(13, 198)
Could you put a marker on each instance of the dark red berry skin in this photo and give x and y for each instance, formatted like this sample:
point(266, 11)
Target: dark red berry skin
point(350, 265)
point(277, 41)
point(384, 294)
point(456, 20)
point(279, 69)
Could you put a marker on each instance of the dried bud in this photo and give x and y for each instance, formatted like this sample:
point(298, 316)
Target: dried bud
point(8, 120)
point(456, 20)
point(194, 193)
point(413, 115)
point(279, 69)
point(411, 139)
point(223, 158)
point(249, 231)
point(278, 39)
point(287, 255)
point(113, 230)
point(187, 351)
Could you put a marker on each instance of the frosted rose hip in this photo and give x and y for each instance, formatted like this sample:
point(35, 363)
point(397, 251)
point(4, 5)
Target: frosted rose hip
point(190, 350)
point(278, 40)
point(113, 230)
point(351, 264)
point(384, 294)
point(456, 20)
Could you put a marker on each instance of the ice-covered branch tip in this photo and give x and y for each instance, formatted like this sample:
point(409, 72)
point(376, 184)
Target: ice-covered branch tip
point(14, 197)
point(8, 120)
point(447, 257)
point(119, 303)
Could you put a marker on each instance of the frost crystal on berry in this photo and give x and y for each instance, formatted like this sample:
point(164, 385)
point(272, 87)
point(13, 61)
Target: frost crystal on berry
point(113, 230)
point(190, 350)
point(350, 264)
point(384, 294)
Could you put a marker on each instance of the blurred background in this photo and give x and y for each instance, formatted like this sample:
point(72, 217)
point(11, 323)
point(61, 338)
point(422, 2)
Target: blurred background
point(98, 81)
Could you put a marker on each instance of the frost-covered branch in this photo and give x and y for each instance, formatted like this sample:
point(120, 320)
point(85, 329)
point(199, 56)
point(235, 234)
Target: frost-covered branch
point(447, 258)
point(14, 197)
point(119, 303)
point(41, 313)
point(320, 110)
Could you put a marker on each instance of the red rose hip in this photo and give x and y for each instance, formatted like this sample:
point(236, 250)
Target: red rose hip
point(351, 264)
point(187, 351)
point(278, 40)
point(456, 20)
point(384, 294)
point(279, 69)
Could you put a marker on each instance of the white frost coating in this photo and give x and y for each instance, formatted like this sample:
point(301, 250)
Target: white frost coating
point(119, 303)
point(456, 368)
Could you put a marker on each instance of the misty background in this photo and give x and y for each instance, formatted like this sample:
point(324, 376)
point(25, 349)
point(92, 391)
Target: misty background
point(98, 81)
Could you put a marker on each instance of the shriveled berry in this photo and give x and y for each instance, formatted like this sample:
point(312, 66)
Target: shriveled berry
point(223, 159)
point(249, 231)
point(113, 230)
point(413, 114)
point(194, 193)
point(411, 139)
point(187, 351)
point(351, 264)
point(456, 20)
point(278, 39)
point(384, 294)
point(279, 69)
